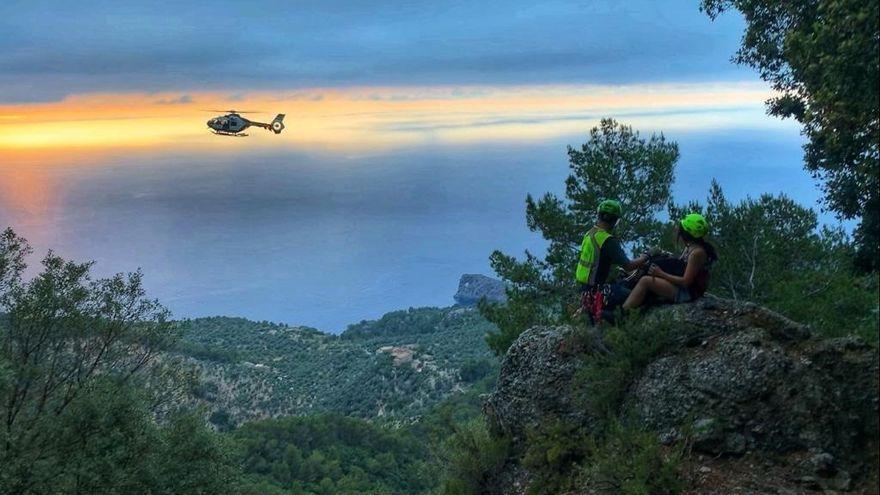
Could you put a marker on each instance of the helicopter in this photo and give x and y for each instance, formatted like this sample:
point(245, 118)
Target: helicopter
point(233, 124)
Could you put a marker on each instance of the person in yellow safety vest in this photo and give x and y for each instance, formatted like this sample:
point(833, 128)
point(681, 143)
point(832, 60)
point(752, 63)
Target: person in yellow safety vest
point(600, 250)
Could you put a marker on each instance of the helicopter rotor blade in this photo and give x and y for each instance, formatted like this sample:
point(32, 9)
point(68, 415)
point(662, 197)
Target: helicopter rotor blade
point(235, 111)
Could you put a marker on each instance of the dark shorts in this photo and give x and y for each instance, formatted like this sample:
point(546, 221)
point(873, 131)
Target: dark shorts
point(618, 295)
point(683, 296)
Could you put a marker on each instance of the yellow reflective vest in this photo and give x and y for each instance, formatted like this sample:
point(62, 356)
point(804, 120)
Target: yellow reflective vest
point(588, 264)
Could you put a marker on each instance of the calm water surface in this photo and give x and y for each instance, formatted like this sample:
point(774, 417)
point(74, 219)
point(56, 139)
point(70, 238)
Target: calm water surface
point(329, 239)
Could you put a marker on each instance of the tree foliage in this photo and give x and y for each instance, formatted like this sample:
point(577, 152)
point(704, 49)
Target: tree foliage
point(330, 454)
point(615, 162)
point(81, 383)
point(823, 57)
point(87, 367)
point(756, 239)
point(628, 459)
point(470, 458)
point(279, 369)
point(773, 252)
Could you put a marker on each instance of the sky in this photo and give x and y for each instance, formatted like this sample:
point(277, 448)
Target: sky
point(363, 74)
point(449, 110)
point(79, 80)
point(49, 50)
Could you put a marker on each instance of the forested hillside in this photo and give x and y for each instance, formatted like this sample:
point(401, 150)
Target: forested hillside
point(98, 388)
point(393, 368)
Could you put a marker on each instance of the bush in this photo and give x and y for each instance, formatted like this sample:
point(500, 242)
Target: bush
point(553, 452)
point(603, 381)
point(471, 456)
point(629, 460)
point(331, 454)
point(832, 301)
point(475, 369)
point(623, 458)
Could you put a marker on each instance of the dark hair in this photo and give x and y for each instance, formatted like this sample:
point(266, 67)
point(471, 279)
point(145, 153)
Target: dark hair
point(711, 252)
point(609, 218)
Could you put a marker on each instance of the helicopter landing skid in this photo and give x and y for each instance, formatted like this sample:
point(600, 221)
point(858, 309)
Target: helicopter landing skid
point(233, 134)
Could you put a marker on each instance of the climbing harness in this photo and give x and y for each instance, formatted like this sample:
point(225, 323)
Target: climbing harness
point(593, 302)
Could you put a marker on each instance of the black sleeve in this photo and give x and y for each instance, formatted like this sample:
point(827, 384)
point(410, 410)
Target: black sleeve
point(615, 253)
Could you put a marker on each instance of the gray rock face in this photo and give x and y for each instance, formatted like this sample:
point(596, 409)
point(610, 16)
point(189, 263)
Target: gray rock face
point(739, 378)
point(473, 287)
point(535, 383)
point(762, 393)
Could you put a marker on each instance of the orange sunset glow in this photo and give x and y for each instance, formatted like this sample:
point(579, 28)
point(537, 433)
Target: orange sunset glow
point(28, 190)
point(371, 117)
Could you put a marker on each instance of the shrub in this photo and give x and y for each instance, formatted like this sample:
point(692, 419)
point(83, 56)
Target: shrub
point(475, 369)
point(629, 460)
point(623, 458)
point(471, 456)
point(553, 452)
point(835, 303)
point(604, 379)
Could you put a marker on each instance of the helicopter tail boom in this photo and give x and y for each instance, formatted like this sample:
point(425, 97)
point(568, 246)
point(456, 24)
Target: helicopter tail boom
point(276, 126)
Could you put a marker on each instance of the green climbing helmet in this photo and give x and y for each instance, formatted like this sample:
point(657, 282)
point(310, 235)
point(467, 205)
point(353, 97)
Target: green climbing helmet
point(695, 225)
point(610, 206)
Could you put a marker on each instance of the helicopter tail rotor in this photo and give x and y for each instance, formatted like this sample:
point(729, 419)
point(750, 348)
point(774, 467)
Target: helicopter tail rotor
point(277, 124)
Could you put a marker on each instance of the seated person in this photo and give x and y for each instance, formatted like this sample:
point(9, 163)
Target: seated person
point(698, 256)
point(600, 250)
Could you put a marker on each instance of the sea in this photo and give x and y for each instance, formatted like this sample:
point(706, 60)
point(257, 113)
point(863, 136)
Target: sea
point(326, 238)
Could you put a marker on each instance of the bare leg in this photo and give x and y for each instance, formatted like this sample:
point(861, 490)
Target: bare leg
point(664, 288)
point(659, 286)
point(637, 296)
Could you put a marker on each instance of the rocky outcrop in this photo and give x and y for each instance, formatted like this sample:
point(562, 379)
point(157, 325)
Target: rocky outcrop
point(535, 384)
point(472, 288)
point(750, 391)
point(738, 379)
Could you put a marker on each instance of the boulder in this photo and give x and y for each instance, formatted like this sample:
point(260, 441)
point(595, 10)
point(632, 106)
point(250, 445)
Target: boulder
point(738, 378)
point(749, 390)
point(535, 384)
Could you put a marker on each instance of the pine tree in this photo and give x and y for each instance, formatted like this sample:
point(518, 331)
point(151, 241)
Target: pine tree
point(614, 163)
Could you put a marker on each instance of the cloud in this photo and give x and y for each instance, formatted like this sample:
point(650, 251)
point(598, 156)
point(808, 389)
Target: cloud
point(52, 49)
point(419, 126)
point(374, 118)
point(180, 100)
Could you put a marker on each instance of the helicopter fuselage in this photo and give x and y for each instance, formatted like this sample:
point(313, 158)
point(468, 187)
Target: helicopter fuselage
point(232, 124)
point(229, 124)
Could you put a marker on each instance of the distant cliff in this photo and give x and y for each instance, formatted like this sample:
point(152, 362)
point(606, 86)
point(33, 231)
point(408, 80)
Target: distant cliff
point(756, 403)
point(472, 288)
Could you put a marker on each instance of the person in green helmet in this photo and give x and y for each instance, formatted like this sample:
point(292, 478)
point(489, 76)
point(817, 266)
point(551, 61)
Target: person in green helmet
point(600, 250)
point(698, 257)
